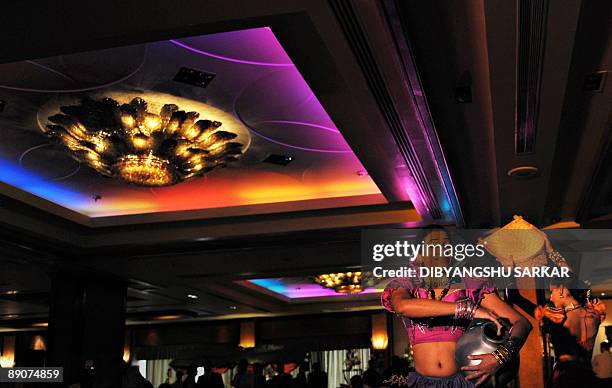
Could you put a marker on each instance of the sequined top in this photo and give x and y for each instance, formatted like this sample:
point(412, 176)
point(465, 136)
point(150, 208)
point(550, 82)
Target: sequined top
point(434, 329)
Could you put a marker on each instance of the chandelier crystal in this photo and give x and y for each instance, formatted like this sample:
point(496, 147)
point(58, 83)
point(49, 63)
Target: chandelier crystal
point(127, 142)
point(342, 282)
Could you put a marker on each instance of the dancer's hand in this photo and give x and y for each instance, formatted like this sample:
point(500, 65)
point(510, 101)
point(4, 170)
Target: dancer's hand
point(484, 313)
point(487, 368)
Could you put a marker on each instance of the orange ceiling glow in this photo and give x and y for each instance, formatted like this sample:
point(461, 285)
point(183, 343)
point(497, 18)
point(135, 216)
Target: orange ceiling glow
point(253, 89)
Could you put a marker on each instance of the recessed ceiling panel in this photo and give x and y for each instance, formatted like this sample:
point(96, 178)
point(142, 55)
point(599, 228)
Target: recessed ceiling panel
point(243, 79)
point(300, 287)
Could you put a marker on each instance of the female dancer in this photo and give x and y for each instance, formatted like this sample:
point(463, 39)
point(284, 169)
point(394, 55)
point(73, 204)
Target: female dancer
point(571, 320)
point(436, 316)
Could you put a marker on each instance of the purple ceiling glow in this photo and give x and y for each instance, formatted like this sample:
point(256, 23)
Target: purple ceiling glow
point(299, 123)
point(296, 288)
point(287, 98)
point(255, 82)
point(285, 144)
point(221, 57)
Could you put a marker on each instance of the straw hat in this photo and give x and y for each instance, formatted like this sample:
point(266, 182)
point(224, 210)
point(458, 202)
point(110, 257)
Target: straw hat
point(517, 243)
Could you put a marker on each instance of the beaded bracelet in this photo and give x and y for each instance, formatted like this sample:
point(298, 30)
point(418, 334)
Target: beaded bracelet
point(507, 351)
point(464, 310)
point(557, 258)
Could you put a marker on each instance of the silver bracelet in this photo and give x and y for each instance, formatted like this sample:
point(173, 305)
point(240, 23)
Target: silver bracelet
point(464, 310)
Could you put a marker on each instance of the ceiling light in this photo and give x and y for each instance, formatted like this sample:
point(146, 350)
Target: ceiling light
point(192, 296)
point(168, 317)
point(342, 282)
point(40, 324)
point(523, 172)
point(281, 160)
point(603, 294)
point(127, 142)
point(12, 292)
point(232, 307)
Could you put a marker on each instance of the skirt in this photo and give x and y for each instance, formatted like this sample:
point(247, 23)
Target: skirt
point(417, 380)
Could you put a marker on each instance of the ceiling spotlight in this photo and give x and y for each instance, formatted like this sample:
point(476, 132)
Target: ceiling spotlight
point(603, 294)
point(281, 160)
point(232, 307)
point(130, 143)
point(168, 317)
point(12, 292)
point(192, 296)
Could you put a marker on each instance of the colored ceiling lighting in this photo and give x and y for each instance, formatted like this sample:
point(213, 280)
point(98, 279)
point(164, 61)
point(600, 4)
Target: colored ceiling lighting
point(127, 142)
point(341, 282)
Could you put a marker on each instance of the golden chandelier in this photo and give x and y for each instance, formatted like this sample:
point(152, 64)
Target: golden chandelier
point(342, 282)
point(127, 142)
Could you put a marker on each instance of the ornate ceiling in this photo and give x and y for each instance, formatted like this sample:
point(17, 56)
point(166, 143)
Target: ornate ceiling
point(254, 88)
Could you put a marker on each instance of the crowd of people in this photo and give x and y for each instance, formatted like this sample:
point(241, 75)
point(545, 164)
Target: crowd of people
point(244, 377)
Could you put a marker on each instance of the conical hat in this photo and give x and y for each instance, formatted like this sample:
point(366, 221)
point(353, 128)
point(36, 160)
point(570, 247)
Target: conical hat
point(515, 242)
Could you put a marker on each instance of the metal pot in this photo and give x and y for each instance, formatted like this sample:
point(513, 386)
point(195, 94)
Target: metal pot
point(482, 339)
point(478, 339)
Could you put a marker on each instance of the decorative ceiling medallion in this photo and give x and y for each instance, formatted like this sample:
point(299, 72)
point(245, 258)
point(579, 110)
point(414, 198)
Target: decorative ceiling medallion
point(141, 145)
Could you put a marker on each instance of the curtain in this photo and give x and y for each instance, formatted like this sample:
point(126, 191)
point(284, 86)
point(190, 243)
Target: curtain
point(157, 371)
point(332, 362)
point(227, 376)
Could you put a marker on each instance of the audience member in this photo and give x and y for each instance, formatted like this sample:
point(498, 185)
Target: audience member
point(210, 378)
point(300, 380)
point(190, 380)
point(371, 377)
point(602, 365)
point(243, 379)
point(133, 379)
point(259, 381)
point(317, 378)
point(356, 382)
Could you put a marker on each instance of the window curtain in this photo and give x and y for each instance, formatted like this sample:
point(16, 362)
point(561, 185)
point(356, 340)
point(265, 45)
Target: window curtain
point(157, 371)
point(332, 362)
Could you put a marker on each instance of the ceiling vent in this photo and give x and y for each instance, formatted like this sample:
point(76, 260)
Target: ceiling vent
point(532, 32)
point(356, 37)
point(194, 77)
point(281, 160)
point(524, 172)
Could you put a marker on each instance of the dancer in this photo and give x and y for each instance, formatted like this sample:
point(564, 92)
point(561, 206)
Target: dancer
point(571, 319)
point(436, 314)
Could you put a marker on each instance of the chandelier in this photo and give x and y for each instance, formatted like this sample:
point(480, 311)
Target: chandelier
point(127, 142)
point(342, 282)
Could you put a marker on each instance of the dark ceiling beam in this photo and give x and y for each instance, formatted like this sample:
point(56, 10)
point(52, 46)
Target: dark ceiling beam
point(583, 152)
point(448, 41)
point(528, 197)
